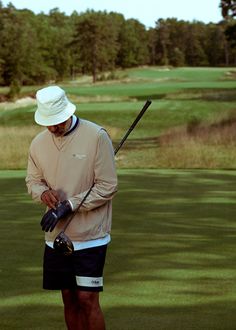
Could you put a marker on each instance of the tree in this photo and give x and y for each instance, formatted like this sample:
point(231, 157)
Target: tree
point(176, 46)
point(20, 51)
point(230, 33)
point(36, 49)
point(217, 46)
point(228, 8)
point(133, 44)
point(195, 40)
point(61, 32)
point(95, 42)
point(16, 44)
point(162, 42)
point(177, 57)
point(31, 60)
point(178, 43)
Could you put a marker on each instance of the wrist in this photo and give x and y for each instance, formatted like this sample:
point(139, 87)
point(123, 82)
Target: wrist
point(67, 205)
point(70, 204)
point(44, 191)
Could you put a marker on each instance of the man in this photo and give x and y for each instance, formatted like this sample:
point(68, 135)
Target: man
point(65, 160)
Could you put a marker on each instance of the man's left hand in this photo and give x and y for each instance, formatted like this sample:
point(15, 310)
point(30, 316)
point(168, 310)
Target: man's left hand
point(51, 218)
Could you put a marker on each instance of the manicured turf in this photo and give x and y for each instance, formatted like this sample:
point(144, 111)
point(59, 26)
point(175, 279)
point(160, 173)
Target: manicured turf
point(161, 116)
point(178, 95)
point(171, 264)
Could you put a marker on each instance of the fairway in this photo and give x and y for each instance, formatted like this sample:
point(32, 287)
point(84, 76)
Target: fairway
point(171, 263)
point(184, 100)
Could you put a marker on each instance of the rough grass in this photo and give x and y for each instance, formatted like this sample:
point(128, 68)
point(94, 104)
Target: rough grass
point(197, 144)
point(200, 145)
point(15, 143)
point(192, 146)
point(14, 146)
point(181, 98)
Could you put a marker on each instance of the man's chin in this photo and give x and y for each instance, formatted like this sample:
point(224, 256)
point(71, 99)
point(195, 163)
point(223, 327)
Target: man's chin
point(58, 134)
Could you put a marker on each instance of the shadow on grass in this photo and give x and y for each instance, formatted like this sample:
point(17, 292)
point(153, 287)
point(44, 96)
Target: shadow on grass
point(204, 317)
point(32, 317)
point(218, 316)
point(173, 255)
point(150, 97)
point(205, 94)
point(171, 263)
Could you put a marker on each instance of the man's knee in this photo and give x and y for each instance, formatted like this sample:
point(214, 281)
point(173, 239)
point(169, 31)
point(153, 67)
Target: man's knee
point(88, 300)
point(69, 297)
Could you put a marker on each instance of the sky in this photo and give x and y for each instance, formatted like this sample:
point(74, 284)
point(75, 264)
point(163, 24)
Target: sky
point(147, 11)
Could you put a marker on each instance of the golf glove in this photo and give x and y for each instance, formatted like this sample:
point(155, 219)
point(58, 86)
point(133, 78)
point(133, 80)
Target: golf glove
point(51, 218)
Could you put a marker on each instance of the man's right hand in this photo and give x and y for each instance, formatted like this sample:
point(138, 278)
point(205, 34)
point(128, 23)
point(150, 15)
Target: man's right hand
point(51, 217)
point(50, 198)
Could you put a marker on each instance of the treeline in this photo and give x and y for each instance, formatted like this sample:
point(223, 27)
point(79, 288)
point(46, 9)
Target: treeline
point(37, 48)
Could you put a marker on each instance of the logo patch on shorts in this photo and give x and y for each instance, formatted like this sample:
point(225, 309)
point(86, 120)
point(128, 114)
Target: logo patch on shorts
point(92, 282)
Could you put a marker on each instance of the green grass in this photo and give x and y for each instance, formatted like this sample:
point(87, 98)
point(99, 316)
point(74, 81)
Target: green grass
point(181, 74)
point(162, 115)
point(143, 90)
point(154, 82)
point(180, 97)
point(170, 265)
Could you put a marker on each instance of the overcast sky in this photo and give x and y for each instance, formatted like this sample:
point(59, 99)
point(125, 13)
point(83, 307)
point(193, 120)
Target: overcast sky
point(147, 11)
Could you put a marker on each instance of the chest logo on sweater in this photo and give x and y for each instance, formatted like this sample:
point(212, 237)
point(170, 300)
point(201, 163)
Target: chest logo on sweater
point(79, 156)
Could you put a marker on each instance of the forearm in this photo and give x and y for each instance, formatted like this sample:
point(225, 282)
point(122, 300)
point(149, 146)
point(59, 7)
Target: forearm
point(99, 195)
point(36, 188)
point(35, 182)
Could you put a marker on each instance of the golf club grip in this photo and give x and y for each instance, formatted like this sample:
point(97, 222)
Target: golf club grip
point(145, 107)
point(137, 119)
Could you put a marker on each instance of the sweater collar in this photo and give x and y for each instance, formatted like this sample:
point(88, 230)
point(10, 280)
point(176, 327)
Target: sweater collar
point(74, 124)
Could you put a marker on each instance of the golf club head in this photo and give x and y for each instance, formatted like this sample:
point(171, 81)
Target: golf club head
point(63, 244)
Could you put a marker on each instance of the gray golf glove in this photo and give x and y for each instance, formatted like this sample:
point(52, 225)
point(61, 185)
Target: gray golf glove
point(51, 218)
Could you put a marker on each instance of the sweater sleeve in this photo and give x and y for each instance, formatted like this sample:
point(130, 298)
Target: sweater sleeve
point(35, 181)
point(105, 178)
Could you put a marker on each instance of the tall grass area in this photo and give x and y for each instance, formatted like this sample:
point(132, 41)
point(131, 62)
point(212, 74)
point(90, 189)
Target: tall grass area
point(200, 145)
point(163, 139)
point(14, 146)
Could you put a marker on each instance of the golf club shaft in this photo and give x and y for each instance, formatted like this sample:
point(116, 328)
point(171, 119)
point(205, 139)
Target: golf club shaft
point(141, 113)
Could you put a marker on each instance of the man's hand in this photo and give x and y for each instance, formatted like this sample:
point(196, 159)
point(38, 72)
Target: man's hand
point(51, 218)
point(50, 198)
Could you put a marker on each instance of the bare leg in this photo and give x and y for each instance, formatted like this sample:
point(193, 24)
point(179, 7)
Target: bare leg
point(72, 313)
point(91, 310)
point(82, 310)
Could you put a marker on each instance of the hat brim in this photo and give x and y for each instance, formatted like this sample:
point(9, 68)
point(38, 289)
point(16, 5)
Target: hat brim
point(55, 119)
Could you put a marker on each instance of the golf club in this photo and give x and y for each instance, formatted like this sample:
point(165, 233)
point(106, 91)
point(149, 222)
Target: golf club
point(62, 243)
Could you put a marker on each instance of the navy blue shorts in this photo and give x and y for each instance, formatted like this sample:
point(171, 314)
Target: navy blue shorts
point(82, 270)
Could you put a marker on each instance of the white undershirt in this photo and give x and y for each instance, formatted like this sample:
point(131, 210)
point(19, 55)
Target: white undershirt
point(73, 122)
point(87, 244)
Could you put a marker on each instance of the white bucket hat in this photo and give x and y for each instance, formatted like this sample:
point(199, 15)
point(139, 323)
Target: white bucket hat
point(53, 106)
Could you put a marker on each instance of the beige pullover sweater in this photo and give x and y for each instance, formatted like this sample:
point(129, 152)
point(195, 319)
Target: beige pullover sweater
point(70, 165)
